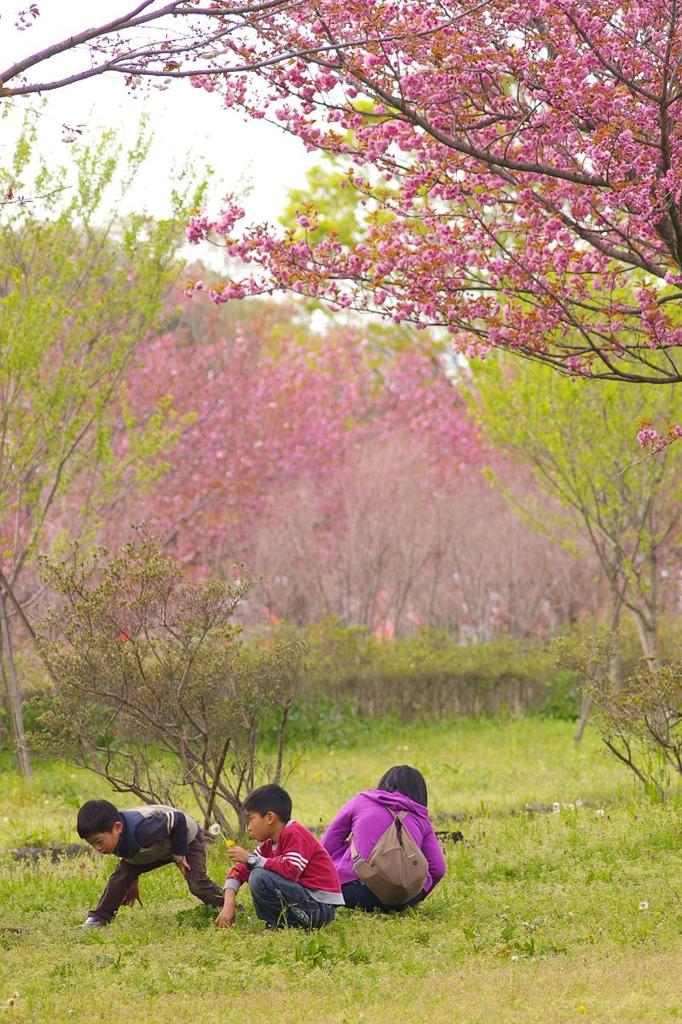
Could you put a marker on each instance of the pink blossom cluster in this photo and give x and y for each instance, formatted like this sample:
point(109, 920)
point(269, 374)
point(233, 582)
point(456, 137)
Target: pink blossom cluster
point(656, 442)
point(199, 226)
point(517, 162)
point(24, 18)
point(203, 82)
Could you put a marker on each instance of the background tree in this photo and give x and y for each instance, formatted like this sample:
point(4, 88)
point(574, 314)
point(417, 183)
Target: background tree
point(80, 288)
point(575, 437)
point(403, 553)
point(343, 467)
point(260, 410)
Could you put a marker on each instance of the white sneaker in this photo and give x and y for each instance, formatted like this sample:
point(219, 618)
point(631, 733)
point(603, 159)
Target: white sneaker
point(92, 922)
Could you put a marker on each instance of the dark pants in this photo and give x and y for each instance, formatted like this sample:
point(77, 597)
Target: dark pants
point(284, 904)
point(358, 895)
point(126, 874)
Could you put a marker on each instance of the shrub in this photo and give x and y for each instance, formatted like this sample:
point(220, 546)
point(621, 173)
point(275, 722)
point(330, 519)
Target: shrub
point(641, 723)
point(430, 674)
point(153, 686)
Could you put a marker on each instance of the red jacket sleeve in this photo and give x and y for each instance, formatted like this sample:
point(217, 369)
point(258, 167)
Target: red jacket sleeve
point(239, 872)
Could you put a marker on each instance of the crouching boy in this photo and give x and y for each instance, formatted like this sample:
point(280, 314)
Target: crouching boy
point(291, 876)
point(144, 838)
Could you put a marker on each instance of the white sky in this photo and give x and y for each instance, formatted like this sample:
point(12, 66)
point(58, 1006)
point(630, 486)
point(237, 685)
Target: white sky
point(184, 120)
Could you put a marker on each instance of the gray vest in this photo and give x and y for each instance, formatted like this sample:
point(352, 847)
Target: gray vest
point(157, 851)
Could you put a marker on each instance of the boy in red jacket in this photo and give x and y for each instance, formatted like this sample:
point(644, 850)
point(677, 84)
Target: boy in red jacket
point(291, 876)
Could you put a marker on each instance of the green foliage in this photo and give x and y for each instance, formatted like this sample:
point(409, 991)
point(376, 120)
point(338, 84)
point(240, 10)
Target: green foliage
point(331, 199)
point(469, 763)
point(578, 437)
point(317, 950)
point(197, 918)
point(562, 698)
point(80, 287)
point(316, 713)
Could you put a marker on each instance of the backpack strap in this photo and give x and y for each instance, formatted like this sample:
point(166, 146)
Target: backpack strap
point(354, 855)
point(398, 818)
point(399, 822)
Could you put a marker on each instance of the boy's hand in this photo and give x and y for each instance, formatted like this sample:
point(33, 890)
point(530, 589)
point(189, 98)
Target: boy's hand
point(182, 862)
point(225, 918)
point(132, 896)
point(238, 853)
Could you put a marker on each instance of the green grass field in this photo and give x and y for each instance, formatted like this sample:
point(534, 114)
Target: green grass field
point(569, 916)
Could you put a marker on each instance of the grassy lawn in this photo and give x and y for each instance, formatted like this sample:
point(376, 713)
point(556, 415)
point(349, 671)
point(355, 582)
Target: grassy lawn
point(573, 916)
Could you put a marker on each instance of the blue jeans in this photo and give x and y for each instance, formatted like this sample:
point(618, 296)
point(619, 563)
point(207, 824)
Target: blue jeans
point(357, 895)
point(285, 904)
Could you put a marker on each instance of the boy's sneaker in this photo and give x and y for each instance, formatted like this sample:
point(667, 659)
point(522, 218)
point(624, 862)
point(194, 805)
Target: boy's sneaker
point(92, 922)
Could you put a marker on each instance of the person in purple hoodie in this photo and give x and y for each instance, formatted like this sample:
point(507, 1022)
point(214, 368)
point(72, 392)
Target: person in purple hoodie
point(367, 816)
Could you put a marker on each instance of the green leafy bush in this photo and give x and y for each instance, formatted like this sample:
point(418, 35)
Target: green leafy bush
point(428, 674)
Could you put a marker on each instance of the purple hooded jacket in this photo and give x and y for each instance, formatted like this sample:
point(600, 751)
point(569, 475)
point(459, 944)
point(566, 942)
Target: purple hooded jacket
point(367, 816)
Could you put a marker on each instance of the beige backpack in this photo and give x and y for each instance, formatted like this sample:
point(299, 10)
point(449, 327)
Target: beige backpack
point(396, 869)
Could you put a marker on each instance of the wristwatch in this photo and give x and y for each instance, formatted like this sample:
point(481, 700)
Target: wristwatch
point(252, 860)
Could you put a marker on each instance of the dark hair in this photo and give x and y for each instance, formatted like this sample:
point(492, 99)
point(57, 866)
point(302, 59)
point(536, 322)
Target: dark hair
point(269, 798)
point(406, 780)
point(96, 816)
